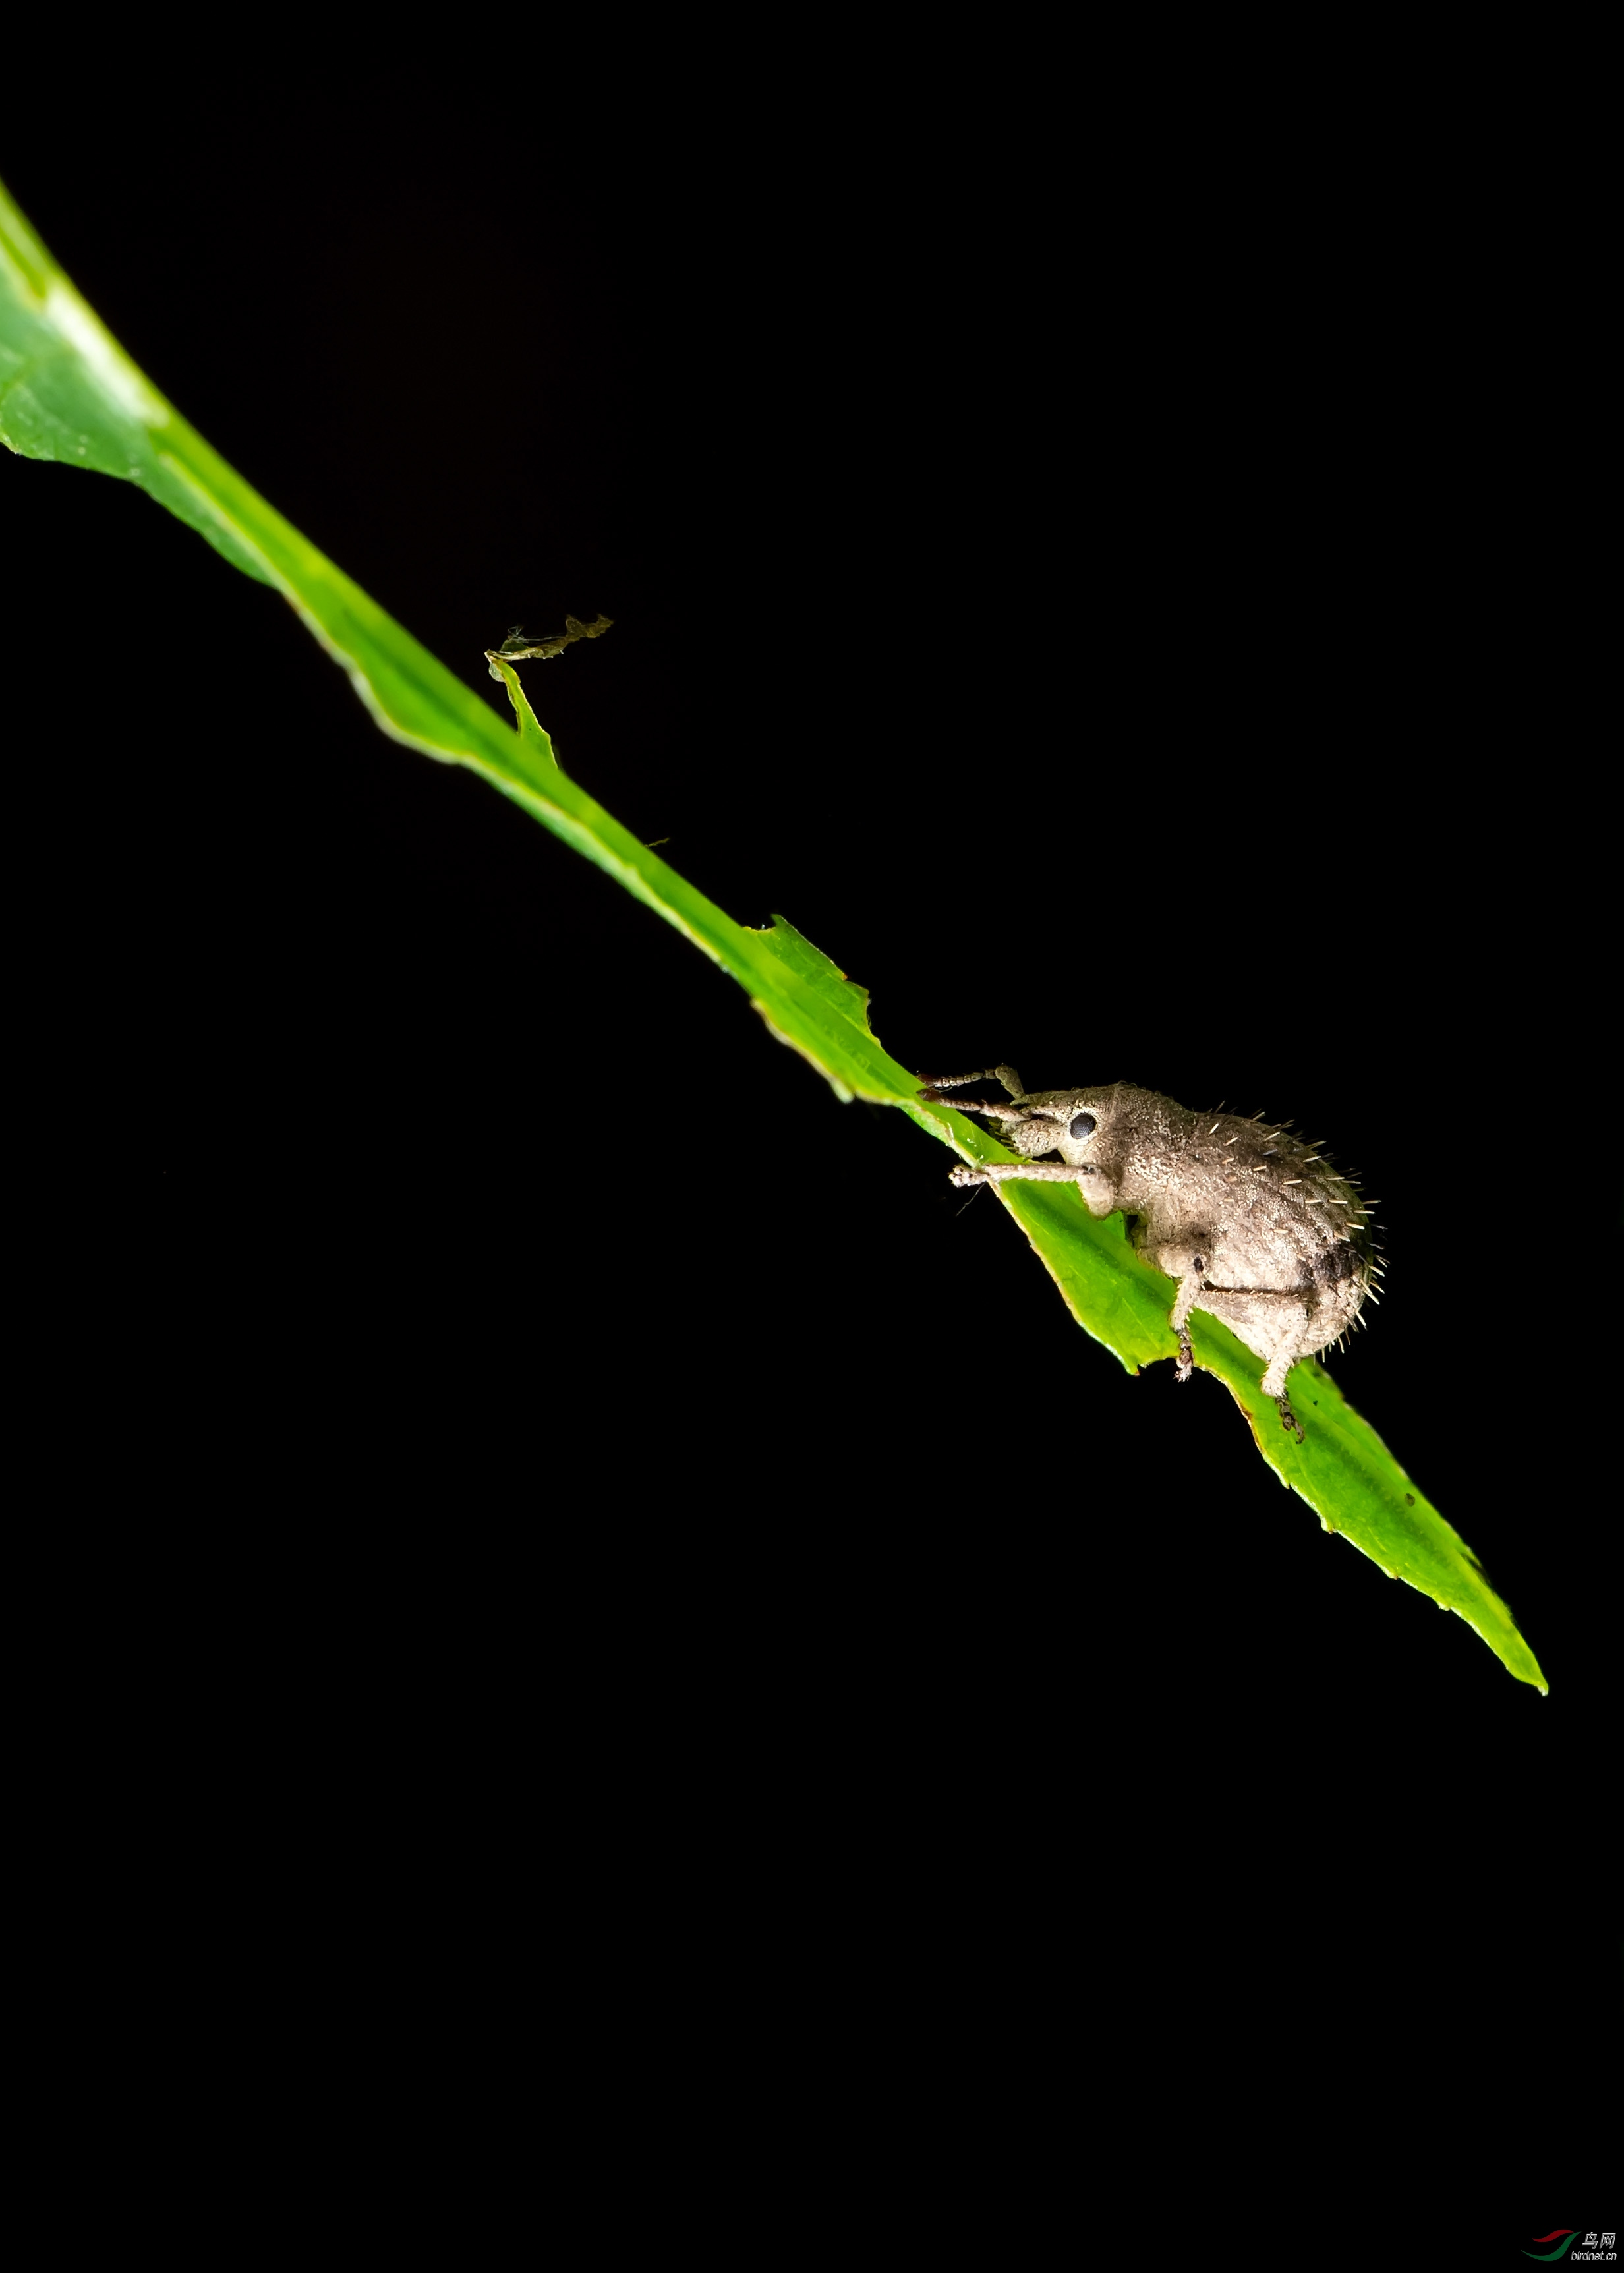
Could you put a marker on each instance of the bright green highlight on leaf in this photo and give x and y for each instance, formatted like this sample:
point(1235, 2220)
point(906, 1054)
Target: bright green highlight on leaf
point(69, 391)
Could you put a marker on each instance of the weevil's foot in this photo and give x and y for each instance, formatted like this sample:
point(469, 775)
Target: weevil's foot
point(1186, 1355)
point(1287, 1418)
point(962, 1175)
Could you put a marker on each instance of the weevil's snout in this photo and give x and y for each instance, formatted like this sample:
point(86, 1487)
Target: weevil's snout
point(1035, 1132)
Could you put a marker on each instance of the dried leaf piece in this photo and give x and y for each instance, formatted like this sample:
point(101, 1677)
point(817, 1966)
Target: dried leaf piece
point(517, 648)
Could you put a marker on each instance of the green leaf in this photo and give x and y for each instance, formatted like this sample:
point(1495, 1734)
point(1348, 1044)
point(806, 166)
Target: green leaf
point(69, 391)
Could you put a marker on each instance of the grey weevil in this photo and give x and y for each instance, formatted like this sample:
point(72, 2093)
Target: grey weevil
point(1249, 1219)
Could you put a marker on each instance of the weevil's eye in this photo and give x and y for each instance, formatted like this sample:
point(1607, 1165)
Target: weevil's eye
point(1084, 1126)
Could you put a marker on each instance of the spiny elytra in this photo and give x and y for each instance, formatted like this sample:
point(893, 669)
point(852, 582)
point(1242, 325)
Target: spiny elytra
point(1254, 1225)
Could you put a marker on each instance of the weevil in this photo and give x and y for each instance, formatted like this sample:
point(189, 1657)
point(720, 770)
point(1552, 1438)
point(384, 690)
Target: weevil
point(1249, 1219)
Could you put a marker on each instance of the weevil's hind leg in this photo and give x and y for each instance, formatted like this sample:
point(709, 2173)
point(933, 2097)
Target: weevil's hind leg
point(1274, 1384)
point(1281, 1324)
point(1005, 1074)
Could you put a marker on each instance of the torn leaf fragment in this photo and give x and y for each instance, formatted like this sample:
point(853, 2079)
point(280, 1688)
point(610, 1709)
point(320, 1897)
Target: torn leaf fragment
point(518, 648)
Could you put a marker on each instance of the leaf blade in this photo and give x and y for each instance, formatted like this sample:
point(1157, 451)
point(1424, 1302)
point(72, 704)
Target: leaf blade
point(69, 393)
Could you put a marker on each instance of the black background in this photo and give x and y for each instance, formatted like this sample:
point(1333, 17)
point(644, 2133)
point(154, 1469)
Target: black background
point(1134, 616)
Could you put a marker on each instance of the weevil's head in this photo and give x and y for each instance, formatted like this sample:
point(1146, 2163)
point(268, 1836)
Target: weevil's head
point(1087, 1129)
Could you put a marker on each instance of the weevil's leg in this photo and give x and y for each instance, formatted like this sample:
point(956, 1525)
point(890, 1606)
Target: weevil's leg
point(1178, 1318)
point(1301, 1299)
point(1287, 1418)
point(975, 1104)
point(1274, 1384)
point(1294, 1308)
point(1006, 1171)
point(1005, 1074)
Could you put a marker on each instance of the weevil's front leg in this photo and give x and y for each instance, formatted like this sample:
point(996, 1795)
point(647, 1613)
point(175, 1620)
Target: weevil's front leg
point(1005, 1171)
point(1007, 1075)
